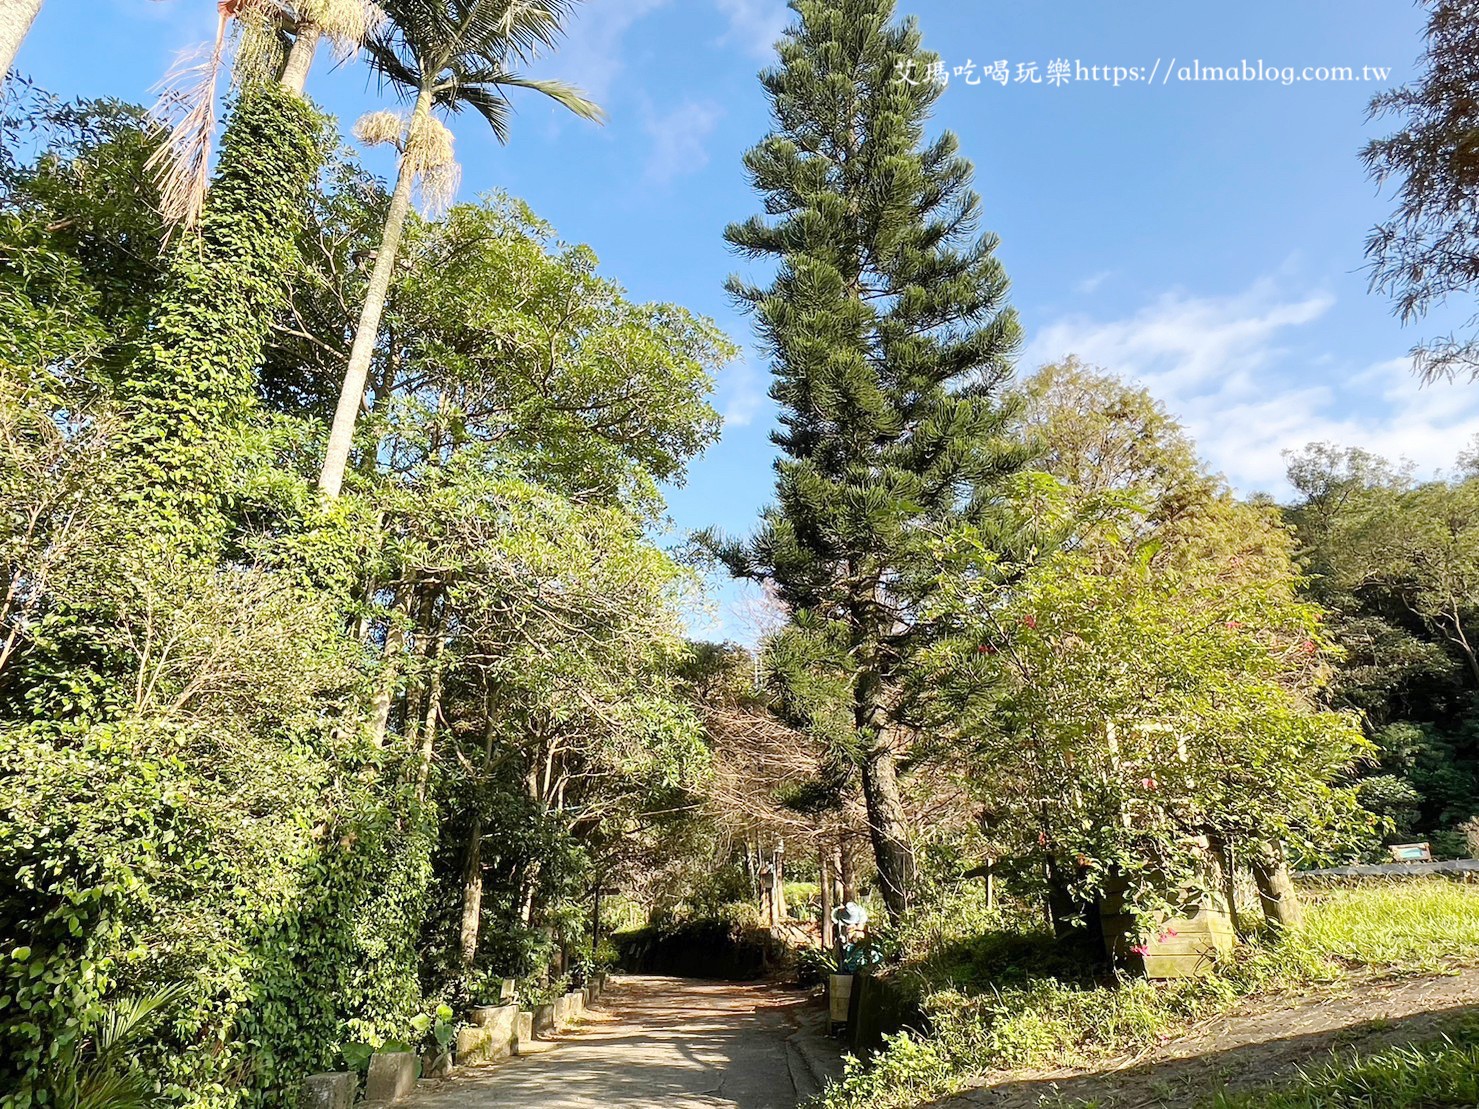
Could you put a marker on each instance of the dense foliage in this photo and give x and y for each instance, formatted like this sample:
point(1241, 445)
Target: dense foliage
point(290, 775)
point(1136, 668)
point(1393, 560)
point(343, 673)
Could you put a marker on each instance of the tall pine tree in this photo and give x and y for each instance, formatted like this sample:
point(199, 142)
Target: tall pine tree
point(890, 337)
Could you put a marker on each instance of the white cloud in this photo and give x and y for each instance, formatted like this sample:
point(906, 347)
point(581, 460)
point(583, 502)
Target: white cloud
point(742, 394)
point(1090, 285)
point(1243, 374)
point(591, 54)
point(679, 139)
point(754, 25)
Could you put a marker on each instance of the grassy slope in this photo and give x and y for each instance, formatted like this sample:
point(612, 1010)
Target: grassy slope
point(996, 1002)
point(1425, 1076)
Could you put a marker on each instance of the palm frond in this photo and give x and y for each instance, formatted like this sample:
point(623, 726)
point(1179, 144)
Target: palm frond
point(393, 61)
point(129, 1018)
point(257, 44)
point(522, 29)
point(186, 113)
point(465, 52)
point(489, 103)
point(485, 92)
point(125, 1089)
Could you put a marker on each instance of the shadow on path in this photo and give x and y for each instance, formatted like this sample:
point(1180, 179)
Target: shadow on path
point(651, 1041)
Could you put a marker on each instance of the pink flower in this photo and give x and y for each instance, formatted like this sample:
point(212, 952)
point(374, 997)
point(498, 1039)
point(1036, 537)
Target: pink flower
point(1140, 948)
point(1234, 625)
point(1148, 783)
point(1308, 647)
point(1167, 934)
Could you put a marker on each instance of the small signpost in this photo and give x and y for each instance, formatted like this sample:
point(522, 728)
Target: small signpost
point(1411, 853)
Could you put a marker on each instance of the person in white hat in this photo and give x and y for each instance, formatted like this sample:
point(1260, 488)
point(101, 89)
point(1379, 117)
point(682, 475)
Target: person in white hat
point(851, 921)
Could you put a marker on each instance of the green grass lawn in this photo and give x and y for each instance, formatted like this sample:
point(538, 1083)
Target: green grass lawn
point(1420, 926)
point(1009, 999)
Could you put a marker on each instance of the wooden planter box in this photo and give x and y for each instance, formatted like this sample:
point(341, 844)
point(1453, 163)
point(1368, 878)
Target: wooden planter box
point(839, 993)
point(1185, 946)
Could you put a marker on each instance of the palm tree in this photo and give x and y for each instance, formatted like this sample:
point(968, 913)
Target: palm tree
point(186, 109)
point(16, 17)
point(442, 56)
point(310, 19)
point(346, 23)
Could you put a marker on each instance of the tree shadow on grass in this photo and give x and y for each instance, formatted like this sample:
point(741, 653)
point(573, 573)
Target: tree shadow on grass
point(1259, 1055)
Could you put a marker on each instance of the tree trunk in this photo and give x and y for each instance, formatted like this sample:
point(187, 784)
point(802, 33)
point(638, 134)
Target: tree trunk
point(472, 892)
point(300, 57)
point(888, 827)
point(1224, 875)
point(845, 871)
point(526, 902)
point(1065, 912)
point(472, 874)
point(1276, 891)
point(16, 17)
point(433, 708)
point(395, 645)
point(876, 699)
point(767, 897)
point(824, 876)
point(778, 888)
point(423, 609)
point(352, 395)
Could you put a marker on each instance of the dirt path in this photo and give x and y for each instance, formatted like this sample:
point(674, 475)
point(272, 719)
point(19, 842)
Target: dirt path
point(665, 1042)
point(1255, 1045)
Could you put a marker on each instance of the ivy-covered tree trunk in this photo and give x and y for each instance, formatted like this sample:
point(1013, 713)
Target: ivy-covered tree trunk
point(16, 17)
point(889, 335)
point(192, 386)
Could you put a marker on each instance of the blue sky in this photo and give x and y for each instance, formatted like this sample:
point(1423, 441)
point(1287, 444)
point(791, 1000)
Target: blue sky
point(1203, 238)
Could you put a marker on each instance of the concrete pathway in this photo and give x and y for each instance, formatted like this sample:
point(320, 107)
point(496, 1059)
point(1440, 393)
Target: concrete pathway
point(668, 1042)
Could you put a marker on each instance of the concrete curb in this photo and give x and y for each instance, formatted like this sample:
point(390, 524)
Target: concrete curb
point(493, 1034)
